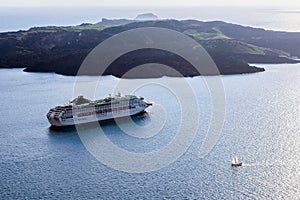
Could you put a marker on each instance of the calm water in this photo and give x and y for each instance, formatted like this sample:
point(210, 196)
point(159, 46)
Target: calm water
point(261, 124)
point(275, 18)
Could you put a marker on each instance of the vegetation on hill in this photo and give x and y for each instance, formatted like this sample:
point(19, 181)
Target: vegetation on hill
point(62, 49)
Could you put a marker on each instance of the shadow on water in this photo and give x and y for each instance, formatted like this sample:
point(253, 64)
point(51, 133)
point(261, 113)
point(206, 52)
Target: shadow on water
point(236, 170)
point(61, 130)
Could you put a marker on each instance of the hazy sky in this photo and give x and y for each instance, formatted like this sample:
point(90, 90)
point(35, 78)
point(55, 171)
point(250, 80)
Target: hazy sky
point(290, 3)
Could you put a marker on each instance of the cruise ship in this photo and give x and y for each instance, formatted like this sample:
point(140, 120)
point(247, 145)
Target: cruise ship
point(82, 110)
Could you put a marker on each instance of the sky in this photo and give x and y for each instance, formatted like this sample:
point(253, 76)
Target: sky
point(270, 14)
point(30, 3)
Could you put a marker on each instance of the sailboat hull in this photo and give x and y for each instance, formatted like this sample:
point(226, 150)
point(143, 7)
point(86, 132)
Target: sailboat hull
point(236, 164)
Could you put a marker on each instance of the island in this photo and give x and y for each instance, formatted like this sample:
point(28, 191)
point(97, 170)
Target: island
point(140, 17)
point(146, 17)
point(62, 49)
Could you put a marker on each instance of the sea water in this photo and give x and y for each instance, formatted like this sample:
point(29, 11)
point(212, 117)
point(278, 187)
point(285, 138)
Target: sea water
point(261, 125)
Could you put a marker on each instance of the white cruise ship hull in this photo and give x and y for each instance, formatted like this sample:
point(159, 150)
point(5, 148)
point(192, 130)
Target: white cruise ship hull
point(93, 118)
point(78, 117)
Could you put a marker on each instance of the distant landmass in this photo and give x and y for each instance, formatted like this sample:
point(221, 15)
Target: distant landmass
point(62, 49)
point(146, 16)
point(114, 22)
point(140, 17)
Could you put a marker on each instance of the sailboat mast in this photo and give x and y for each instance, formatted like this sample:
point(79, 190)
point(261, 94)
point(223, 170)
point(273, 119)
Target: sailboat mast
point(236, 159)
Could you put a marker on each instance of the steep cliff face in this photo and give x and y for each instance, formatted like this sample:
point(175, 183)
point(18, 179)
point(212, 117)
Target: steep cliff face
point(62, 49)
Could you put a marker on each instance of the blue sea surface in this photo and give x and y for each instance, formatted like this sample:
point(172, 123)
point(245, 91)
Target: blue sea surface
point(261, 125)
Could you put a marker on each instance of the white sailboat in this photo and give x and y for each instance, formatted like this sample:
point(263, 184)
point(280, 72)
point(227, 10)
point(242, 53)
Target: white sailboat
point(235, 162)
